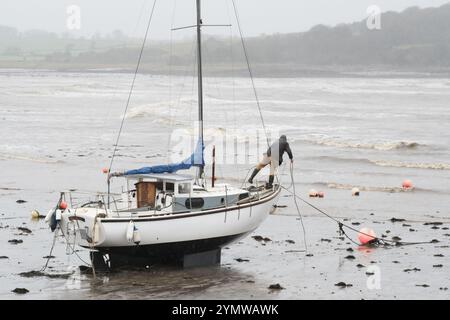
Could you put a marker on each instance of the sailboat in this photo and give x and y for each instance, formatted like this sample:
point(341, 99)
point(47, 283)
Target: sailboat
point(163, 215)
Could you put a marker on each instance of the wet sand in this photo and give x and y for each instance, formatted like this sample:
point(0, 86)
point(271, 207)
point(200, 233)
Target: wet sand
point(249, 267)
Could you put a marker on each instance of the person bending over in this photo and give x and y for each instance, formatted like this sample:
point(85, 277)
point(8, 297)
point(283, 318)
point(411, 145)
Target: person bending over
point(274, 157)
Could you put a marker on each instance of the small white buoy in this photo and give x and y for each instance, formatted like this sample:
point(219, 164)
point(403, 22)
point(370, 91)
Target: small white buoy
point(49, 215)
point(136, 236)
point(96, 236)
point(355, 192)
point(313, 193)
point(58, 215)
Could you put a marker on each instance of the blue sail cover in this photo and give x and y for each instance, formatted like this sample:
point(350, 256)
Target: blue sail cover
point(196, 160)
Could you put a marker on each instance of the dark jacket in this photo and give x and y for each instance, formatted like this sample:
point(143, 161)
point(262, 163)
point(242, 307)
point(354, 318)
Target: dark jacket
point(283, 146)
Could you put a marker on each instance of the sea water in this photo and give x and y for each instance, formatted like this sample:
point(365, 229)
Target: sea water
point(58, 130)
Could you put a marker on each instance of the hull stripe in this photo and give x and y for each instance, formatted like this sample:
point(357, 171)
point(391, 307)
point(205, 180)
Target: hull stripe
point(194, 214)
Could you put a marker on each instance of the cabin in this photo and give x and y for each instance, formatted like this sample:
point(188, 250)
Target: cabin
point(178, 193)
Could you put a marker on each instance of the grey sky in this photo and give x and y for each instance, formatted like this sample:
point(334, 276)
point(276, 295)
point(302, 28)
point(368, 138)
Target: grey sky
point(258, 16)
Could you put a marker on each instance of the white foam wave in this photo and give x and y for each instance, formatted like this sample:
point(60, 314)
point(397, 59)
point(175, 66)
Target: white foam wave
point(166, 112)
point(5, 156)
point(388, 163)
point(401, 164)
point(381, 146)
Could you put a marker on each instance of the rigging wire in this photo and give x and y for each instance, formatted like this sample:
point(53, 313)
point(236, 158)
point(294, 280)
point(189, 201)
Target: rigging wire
point(171, 55)
point(232, 64)
point(141, 13)
point(184, 79)
point(298, 207)
point(73, 251)
point(51, 251)
point(55, 234)
point(176, 104)
point(132, 85)
point(250, 71)
point(170, 76)
point(127, 43)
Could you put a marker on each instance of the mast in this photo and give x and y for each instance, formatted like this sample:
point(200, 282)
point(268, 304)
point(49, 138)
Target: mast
point(200, 79)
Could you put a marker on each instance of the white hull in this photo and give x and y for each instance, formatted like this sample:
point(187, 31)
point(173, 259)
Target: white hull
point(225, 225)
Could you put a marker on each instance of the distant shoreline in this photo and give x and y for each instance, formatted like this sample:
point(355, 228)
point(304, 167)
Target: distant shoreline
point(259, 71)
point(410, 44)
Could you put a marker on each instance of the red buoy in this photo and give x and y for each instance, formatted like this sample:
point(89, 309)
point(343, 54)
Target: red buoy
point(105, 170)
point(366, 235)
point(63, 205)
point(407, 184)
point(321, 194)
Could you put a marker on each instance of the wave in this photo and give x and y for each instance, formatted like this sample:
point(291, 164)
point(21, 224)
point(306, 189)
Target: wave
point(186, 105)
point(401, 164)
point(5, 156)
point(383, 146)
point(9, 189)
point(183, 112)
point(388, 163)
point(380, 146)
point(160, 113)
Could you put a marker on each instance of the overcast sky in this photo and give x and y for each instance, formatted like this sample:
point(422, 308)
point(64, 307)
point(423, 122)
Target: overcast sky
point(258, 16)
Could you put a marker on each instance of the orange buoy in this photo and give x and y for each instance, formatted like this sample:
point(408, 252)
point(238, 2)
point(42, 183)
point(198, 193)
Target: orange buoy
point(63, 205)
point(407, 184)
point(366, 235)
point(105, 170)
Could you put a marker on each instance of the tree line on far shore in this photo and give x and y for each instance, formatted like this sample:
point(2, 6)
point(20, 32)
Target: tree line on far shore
point(411, 40)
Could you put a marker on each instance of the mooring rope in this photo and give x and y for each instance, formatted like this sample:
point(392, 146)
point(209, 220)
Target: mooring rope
point(341, 225)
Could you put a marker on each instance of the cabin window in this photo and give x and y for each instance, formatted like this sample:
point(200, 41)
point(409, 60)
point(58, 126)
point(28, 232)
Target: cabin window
point(159, 185)
point(243, 196)
point(194, 203)
point(184, 188)
point(170, 187)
